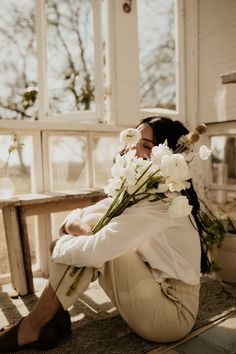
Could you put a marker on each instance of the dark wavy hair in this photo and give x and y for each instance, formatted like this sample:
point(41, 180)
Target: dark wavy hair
point(165, 128)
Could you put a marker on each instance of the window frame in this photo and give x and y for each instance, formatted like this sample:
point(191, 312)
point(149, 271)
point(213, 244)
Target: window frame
point(41, 35)
point(226, 128)
point(179, 113)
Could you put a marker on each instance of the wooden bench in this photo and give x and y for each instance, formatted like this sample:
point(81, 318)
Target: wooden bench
point(15, 211)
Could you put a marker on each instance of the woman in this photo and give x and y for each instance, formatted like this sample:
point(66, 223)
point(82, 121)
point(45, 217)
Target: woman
point(147, 263)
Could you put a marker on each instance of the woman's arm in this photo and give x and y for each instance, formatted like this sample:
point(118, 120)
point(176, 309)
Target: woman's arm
point(123, 233)
point(81, 221)
point(73, 228)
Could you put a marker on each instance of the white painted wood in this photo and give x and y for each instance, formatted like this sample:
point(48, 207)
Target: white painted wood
point(111, 74)
point(180, 59)
point(14, 248)
point(43, 232)
point(221, 128)
point(99, 70)
point(47, 171)
point(191, 74)
point(89, 159)
point(44, 241)
point(217, 53)
point(41, 42)
point(27, 127)
point(218, 129)
point(37, 178)
point(122, 61)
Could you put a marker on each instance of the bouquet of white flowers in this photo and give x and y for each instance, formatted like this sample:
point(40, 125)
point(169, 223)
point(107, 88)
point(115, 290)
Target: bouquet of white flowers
point(162, 177)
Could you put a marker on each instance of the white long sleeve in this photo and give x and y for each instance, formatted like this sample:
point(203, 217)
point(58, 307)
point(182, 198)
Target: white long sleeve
point(123, 233)
point(170, 246)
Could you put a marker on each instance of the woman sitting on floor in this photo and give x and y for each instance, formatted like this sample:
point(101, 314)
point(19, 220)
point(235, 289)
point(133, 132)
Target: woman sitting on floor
point(147, 263)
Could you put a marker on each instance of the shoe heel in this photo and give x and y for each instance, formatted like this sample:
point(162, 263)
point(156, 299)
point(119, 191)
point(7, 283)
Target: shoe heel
point(63, 322)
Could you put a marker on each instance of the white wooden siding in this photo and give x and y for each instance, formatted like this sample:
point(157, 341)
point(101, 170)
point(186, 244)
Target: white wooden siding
point(217, 55)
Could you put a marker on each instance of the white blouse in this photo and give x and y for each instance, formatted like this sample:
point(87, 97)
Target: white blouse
point(170, 246)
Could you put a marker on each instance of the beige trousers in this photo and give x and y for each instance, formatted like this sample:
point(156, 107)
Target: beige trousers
point(161, 312)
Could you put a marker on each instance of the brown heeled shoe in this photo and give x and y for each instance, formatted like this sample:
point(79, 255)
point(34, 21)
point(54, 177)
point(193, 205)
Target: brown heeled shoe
point(8, 338)
point(63, 322)
point(48, 338)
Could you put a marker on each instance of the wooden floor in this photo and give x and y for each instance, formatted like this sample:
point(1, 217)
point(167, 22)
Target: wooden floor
point(217, 339)
point(220, 339)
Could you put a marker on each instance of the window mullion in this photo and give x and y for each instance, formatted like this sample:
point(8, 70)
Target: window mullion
point(98, 50)
point(122, 63)
point(90, 163)
point(47, 171)
point(180, 62)
point(37, 178)
point(42, 59)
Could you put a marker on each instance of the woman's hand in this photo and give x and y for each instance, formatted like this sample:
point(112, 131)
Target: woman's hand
point(74, 228)
point(77, 228)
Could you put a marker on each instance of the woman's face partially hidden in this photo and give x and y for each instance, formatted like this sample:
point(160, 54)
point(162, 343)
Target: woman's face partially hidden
point(145, 144)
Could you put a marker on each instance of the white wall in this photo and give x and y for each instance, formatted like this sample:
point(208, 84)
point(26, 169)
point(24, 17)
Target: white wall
point(217, 55)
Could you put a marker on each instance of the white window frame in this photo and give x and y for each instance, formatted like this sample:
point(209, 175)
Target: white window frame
point(179, 113)
point(227, 128)
point(41, 34)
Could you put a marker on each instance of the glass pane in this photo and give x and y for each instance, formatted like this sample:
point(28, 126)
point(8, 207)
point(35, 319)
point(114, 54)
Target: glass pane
point(3, 249)
point(223, 159)
point(157, 53)
point(105, 149)
point(225, 202)
point(18, 66)
point(68, 163)
point(17, 164)
point(70, 55)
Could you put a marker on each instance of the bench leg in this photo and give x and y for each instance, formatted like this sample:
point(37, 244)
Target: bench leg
point(15, 249)
point(26, 250)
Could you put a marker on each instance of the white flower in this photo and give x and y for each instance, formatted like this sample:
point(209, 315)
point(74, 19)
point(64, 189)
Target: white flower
point(158, 152)
point(130, 175)
point(204, 152)
point(113, 186)
point(120, 161)
point(162, 188)
point(130, 136)
point(176, 171)
point(180, 207)
point(130, 155)
point(176, 187)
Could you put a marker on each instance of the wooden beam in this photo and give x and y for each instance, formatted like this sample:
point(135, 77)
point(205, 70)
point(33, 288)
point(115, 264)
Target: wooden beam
point(60, 204)
point(15, 250)
point(228, 78)
point(26, 249)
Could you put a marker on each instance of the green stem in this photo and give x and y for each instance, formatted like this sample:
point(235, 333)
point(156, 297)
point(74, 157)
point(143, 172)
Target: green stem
point(144, 172)
point(115, 209)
